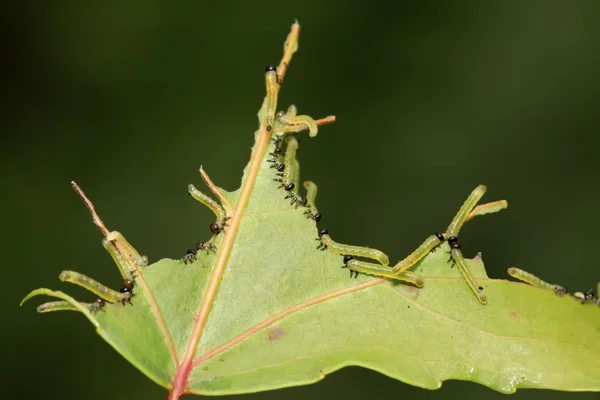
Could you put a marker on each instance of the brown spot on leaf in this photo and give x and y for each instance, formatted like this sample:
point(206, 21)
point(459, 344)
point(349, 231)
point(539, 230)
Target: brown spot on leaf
point(409, 288)
point(276, 334)
point(513, 315)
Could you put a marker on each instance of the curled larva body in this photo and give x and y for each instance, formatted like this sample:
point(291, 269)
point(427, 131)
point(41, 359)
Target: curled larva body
point(94, 286)
point(429, 244)
point(380, 270)
point(289, 161)
point(290, 118)
point(60, 305)
point(460, 218)
point(125, 268)
point(270, 103)
point(457, 256)
point(531, 279)
point(411, 277)
point(296, 180)
point(215, 207)
point(356, 251)
point(311, 193)
point(487, 208)
point(126, 257)
point(311, 196)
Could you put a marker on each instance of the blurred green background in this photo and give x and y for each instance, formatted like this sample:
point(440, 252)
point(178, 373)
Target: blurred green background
point(432, 98)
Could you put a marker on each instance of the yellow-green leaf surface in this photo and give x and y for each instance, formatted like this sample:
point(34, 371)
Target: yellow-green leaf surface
point(286, 314)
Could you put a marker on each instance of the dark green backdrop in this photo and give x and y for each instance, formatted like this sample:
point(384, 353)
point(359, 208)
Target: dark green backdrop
point(431, 98)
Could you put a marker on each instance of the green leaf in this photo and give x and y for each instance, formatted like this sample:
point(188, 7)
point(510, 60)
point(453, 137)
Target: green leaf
point(286, 314)
point(302, 317)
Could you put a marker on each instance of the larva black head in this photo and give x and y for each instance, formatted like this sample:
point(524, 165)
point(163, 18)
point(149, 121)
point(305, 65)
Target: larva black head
point(125, 290)
point(270, 68)
point(323, 232)
point(453, 242)
point(347, 258)
point(191, 251)
point(317, 217)
point(289, 186)
point(589, 295)
point(128, 283)
point(99, 302)
point(280, 167)
point(215, 228)
point(439, 236)
point(480, 288)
